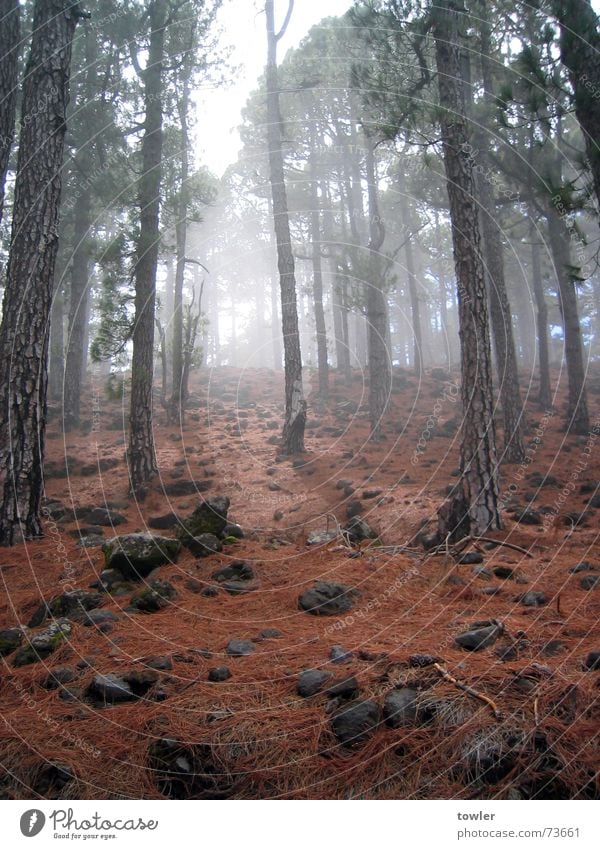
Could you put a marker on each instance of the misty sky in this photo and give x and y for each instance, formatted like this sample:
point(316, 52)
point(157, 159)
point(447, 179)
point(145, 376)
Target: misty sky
point(219, 110)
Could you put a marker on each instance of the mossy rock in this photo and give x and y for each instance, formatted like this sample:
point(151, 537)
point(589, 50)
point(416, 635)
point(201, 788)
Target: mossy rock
point(42, 645)
point(10, 640)
point(209, 517)
point(154, 598)
point(71, 604)
point(136, 555)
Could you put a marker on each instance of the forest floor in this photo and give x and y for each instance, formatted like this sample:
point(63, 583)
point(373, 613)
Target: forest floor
point(528, 727)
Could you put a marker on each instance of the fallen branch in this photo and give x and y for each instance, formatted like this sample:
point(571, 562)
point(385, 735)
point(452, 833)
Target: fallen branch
point(504, 544)
point(469, 690)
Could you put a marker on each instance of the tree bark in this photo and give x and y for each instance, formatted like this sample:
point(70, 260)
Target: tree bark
point(9, 65)
point(295, 405)
point(545, 392)
point(417, 362)
point(476, 509)
point(377, 320)
point(577, 411)
point(317, 265)
point(580, 45)
point(141, 453)
point(30, 271)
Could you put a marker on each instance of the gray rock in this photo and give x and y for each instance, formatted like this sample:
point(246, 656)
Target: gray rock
point(209, 517)
point(163, 523)
point(327, 599)
point(354, 509)
point(357, 530)
point(592, 661)
point(238, 570)
point(583, 566)
point(478, 638)
point(153, 598)
point(10, 640)
point(233, 530)
point(99, 617)
point(72, 604)
point(180, 488)
point(238, 587)
point(345, 688)
point(533, 598)
point(202, 545)
point(311, 681)
point(399, 707)
point(59, 676)
point(105, 518)
point(219, 673)
point(528, 517)
point(136, 555)
point(269, 634)
point(240, 648)
point(161, 663)
point(110, 689)
point(43, 644)
point(470, 558)
point(589, 582)
point(505, 573)
point(356, 722)
point(338, 654)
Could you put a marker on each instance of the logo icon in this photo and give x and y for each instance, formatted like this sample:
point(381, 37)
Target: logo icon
point(32, 822)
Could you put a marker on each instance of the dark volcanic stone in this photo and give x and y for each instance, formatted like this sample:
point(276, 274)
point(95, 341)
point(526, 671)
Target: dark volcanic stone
point(400, 708)
point(470, 558)
point(528, 517)
point(583, 566)
point(478, 638)
point(10, 640)
point(105, 518)
point(202, 545)
point(269, 634)
point(353, 509)
point(327, 599)
point(345, 688)
point(358, 530)
point(338, 654)
point(57, 677)
point(153, 598)
point(592, 661)
point(533, 598)
point(73, 604)
point(505, 573)
point(209, 517)
point(240, 648)
point(589, 582)
point(235, 531)
point(178, 488)
point(238, 570)
point(41, 645)
point(311, 682)
point(136, 555)
point(163, 523)
point(99, 617)
point(110, 689)
point(219, 673)
point(356, 722)
point(419, 661)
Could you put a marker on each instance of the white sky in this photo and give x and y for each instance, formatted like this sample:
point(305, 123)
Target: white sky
point(243, 23)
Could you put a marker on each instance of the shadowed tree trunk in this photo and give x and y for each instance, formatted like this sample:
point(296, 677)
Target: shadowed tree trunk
point(377, 319)
point(295, 405)
point(317, 265)
point(577, 411)
point(9, 66)
point(580, 46)
point(30, 272)
point(476, 508)
point(545, 393)
point(412, 289)
point(141, 455)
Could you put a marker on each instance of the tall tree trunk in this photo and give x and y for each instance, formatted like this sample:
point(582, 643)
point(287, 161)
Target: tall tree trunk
point(141, 454)
point(9, 65)
point(500, 311)
point(476, 509)
point(545, 393)
point(80, 264)
point(317, 265)
point(56, 355)
point(377, 332)
point(178, 399)
point(295, 405)
point(577, 411)
point(580, 44)
point(417, 361)
point(31, 267)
